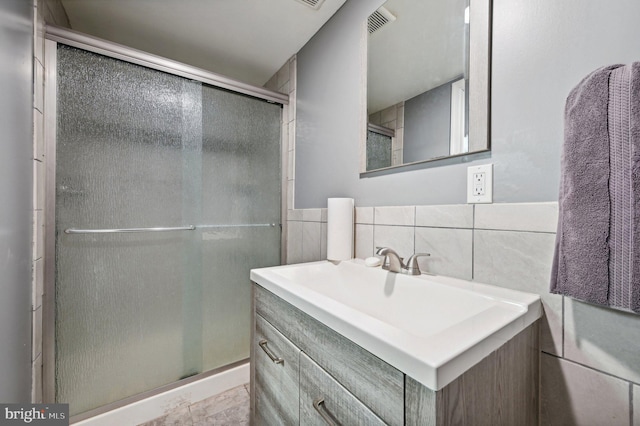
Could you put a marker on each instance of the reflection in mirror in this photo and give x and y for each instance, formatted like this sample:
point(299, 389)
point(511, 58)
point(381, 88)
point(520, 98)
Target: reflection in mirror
point(379, 147)
point(419, 81)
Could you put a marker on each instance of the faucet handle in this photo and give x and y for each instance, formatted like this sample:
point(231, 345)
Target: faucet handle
point(412, 267)
point(392, 261)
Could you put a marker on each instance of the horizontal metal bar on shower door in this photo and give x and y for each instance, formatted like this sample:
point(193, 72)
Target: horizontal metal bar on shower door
point(246, 225)
point(127, 230)
point(134, 56)
point(167, 229)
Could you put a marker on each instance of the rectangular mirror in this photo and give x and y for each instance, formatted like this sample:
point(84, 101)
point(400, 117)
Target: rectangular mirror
point(427, 82)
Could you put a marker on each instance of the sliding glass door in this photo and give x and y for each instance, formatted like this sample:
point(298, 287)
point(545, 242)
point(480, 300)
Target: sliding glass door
point(167, 193)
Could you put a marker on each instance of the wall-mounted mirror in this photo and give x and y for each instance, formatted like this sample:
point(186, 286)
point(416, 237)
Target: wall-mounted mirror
point(428, 82)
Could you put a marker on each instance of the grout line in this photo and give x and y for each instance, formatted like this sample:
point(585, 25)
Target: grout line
point(515, 230)
point(373, 248)
point(444, 227)
point(473, 242)
point(631, 407)
point(385, 224)
point(473, 254)
point(563, 324)
point(473, 216)
point(590, 368)
point(414, 240)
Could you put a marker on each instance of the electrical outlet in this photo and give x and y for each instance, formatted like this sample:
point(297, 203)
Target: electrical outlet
point(480, 184)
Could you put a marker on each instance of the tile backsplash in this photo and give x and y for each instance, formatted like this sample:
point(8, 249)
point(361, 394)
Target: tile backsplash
point(446, 232)
point(590, 356)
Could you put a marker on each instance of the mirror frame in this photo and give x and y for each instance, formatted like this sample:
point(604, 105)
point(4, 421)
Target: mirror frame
point(479, 110)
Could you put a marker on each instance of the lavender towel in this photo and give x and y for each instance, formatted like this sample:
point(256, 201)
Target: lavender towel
point(597, 256)
point(634, 135)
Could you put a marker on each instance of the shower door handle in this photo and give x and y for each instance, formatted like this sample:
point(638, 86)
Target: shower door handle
point(127, 230)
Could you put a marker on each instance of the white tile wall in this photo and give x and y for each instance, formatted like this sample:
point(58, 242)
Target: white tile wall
point(291, 163)
point(396, 158)
point(37, 282)
point(400, 116)
point(290, 195)
point(603, 338)
point(364, 240)
point(388, 115)
point(38, 135)
point(36, 379)
point(294, 242)
point(521, 261)
point(576, 395)
point(284, 81)
point(401, 216)
point(55, 13)
point(535, 217)
point(398, 141)
point(283, 75)
point(311, 246)
point(450, 251)
point(295, 214)
point(445, 216)
point(38, 181)
point(312, 215)
point(399, 238)
point(38, 86)
point(364, 215)
point(36, 337)
point(38, 32)
point(636, 405)
point(323, 238)
point(39, 228)
point(590, 355)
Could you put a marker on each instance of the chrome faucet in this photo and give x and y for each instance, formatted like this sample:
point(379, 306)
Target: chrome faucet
point(393, 262)
point(412, 268)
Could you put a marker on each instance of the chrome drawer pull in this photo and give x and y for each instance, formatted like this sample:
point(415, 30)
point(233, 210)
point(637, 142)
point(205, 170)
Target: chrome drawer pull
point(275, 359)
point(318, 404)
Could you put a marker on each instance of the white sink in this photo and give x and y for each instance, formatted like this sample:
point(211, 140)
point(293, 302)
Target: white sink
point(432, 328)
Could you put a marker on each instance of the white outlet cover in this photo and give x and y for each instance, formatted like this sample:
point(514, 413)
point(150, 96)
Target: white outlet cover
point(487, 197)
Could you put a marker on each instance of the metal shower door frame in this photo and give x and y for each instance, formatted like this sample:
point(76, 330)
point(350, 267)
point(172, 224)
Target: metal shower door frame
point(53, 36)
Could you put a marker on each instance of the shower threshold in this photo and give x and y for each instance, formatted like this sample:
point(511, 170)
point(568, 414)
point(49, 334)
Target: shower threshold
point(171, 399)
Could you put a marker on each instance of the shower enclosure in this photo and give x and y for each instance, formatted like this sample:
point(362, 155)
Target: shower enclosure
point(167, 191)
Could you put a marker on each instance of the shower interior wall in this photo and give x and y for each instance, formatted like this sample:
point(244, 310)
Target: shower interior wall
point(52, 12)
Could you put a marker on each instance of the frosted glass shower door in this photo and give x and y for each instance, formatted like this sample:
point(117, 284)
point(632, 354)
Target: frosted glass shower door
point(241, 192)
point(139, 148)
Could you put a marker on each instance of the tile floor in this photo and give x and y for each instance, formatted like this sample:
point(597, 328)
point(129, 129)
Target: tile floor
point(228, 408)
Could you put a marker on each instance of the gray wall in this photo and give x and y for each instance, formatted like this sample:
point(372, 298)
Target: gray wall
point(330, 99)
point(16, 165)
point(541, 50)
point(427, 125)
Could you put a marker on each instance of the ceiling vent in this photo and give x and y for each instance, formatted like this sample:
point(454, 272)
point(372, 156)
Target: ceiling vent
point(313, 4)
point(379, 19)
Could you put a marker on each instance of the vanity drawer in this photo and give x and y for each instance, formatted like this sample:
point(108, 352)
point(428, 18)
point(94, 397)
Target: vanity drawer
point(276, 381)
point(374, 382)
point(323, 400)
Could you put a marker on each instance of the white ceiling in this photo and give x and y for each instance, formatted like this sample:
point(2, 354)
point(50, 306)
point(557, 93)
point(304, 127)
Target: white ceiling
point(248, 40)
point(422, 49)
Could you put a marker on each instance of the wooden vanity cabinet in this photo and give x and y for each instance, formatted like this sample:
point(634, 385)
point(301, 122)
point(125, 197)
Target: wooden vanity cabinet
point(303, 372)
point(276, 383)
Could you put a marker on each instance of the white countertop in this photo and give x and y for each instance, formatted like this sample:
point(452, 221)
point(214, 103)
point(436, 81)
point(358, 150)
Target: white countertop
point(432, 328)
